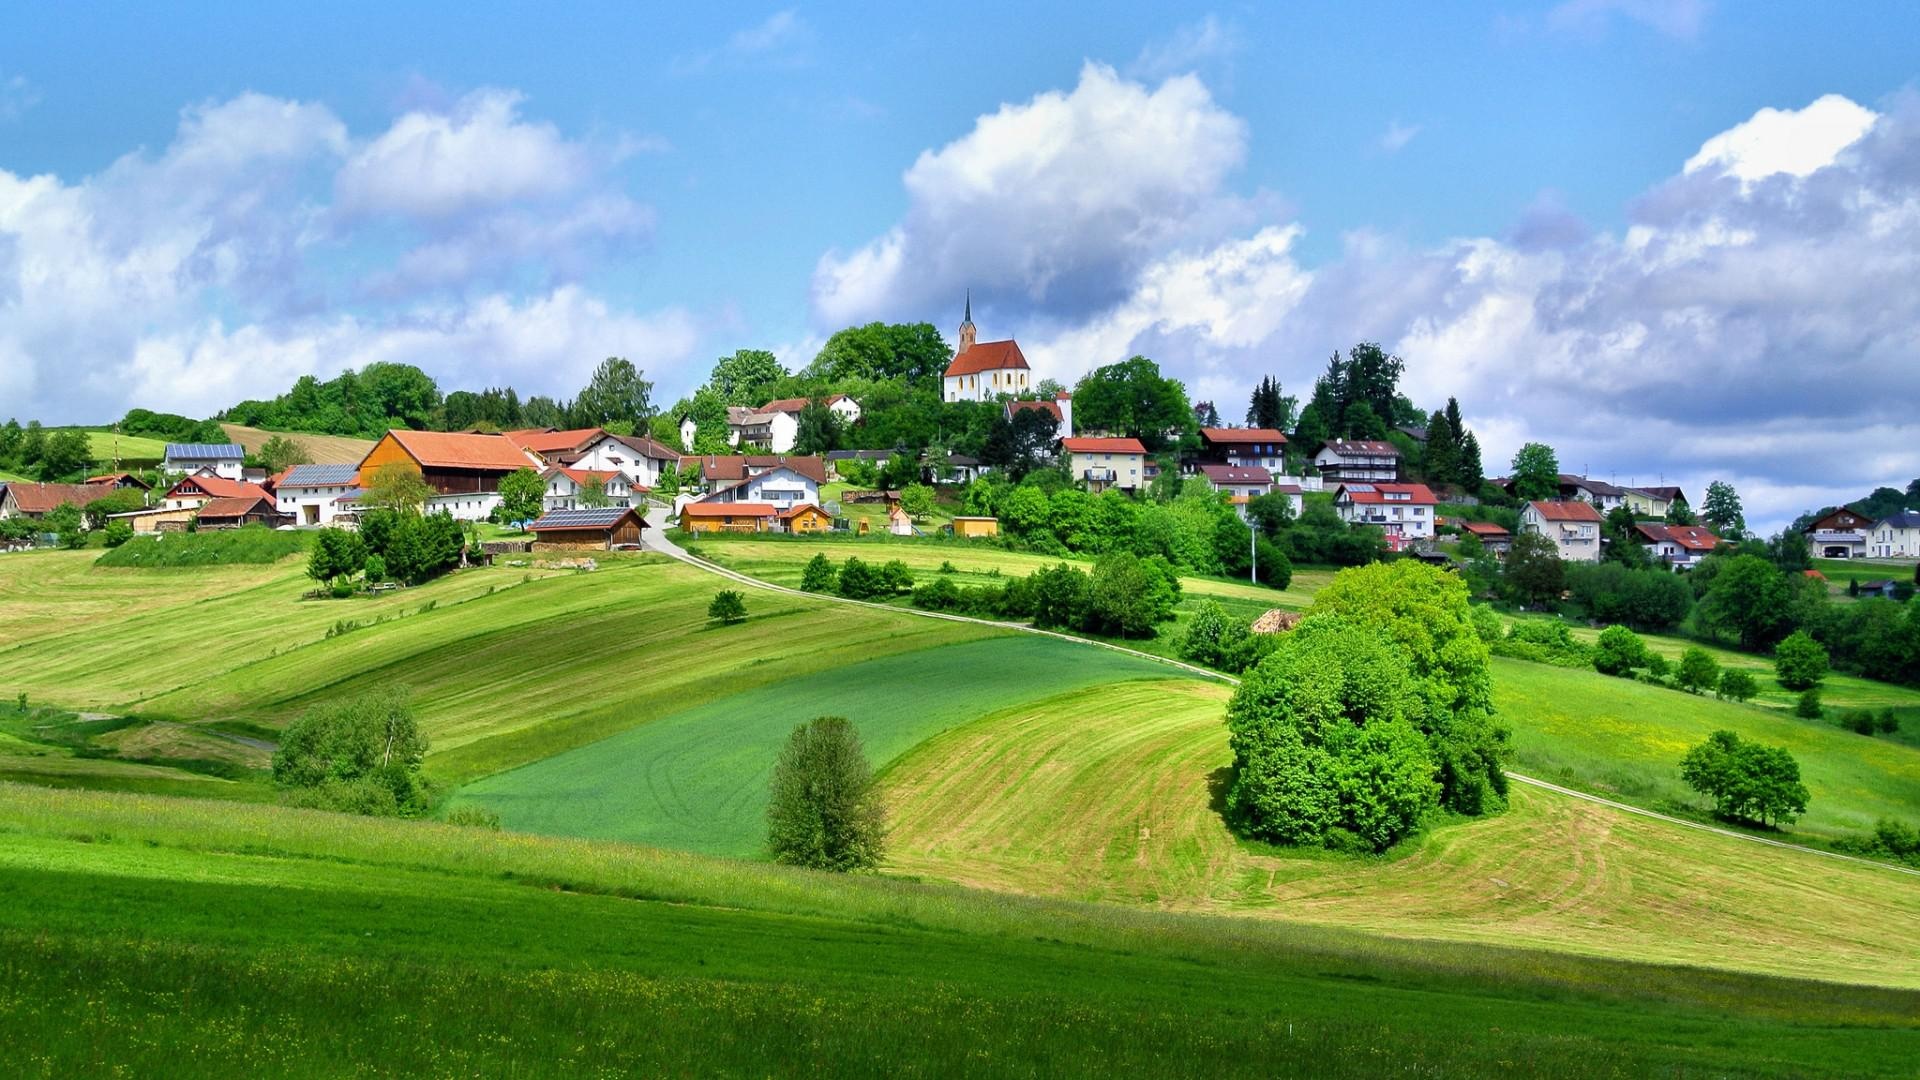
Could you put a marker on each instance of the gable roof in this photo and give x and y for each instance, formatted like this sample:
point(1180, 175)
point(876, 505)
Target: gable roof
point(736, 466)
point(598, 517)
point(1598, 487)
point(217, 451)
point(1091, 445)
point(646, 446)
point(1416, 494)
point(1671, 494)
point(234, 506)
point(1236, 474)
point(40, 498)
point(318, 476)
point(585, 476)
point(555, 442)
point(1690, 537)
point(1904, 519)
point(1370, 447)
point(1230, 436)
point(988, 356)
point(218, 487)
point(728, 509)
point(795, 404)
point(797, 509)
point(458, 450)
point(1484, 528)
point(1841, 516)
point(1566, 511)
point(120, 478)
point(1051, 408)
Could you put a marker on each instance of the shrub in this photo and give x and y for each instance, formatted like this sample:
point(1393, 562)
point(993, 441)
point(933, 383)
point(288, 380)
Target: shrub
point(1699, 671)
point(858, 581)
point(940, 594)
point(1808, 706)
point(1799, 661)
point(1488, 624)
point(895, 578)
point(118, 532)
point(823, 810)
point(1128, 596)
point(360, 755)
point(374, 569)
point(1886, 723)
point(1747, 781)
point(1619, 651)
point(473, 815)
point(819, 576)
point(1859, 721)
point(727, 608)
point(1058, 596)
point(1738, 685)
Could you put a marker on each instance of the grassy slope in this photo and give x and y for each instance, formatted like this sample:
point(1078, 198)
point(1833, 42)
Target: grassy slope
point(102, 444)
point(1109, 795)
point(193, 939)
point(323, 449)
point(696, 779)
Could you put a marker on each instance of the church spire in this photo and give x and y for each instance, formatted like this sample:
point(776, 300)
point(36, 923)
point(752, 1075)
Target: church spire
point(967, 331)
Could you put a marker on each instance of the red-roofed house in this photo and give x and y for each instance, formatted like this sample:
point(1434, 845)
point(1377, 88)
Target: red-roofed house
point(1574, 527)
point(639, 458)
point(1405, 512)
point(1105, 463)
point(1261, 448)
point(193, 492)
point(553, 445)
point(463, 469)
point(566, 486)
point(30, 500)
point(1494, 538)
point(1679, 545)
point(984, 370)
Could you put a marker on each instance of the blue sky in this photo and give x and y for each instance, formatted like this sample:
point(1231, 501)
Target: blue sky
point(672, 184)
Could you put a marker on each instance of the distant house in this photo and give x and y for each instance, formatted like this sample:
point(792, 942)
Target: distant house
point(753, 429)
point(464, 470)
point(688, 429)
point(29, 500)
point(224, 460)
point(121, 481)
point(1597, 492)
point(702, 517)
point(193, 492)
point(1896, 536)
point(1678, 545)
point(1574, 527)
point(1405, 512)
point(1101, 463)
point(840, 405)
point(1839, 534)
point(967, 468)
point(1884, 588)
point(781, 486)
point(1241, 484)
point(1364, 460)
point(232, 513)
point(720, 470)
point(310, 494)
point(984, 370)
point(1495, 539)
point(602, 528)
point(556, 447)
point(639, 458)
point(1060, 409)
point(1253, 448)
point(1648, 502)
point(566, 487)
point(805, 518)
point(1673, 497)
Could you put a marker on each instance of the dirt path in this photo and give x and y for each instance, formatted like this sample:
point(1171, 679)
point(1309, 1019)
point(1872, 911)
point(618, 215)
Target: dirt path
point(656, 524)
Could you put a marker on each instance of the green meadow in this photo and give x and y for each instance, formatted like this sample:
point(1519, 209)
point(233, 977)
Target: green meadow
point(696, 779)
point(151, 936)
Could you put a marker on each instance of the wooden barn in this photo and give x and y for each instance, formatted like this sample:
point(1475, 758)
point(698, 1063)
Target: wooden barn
point(233, 512)
point(450, 463)
point(805, 518)
point(601, 528)
point(701, 517)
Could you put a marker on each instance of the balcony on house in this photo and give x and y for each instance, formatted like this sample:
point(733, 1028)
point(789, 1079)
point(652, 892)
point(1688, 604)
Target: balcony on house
point(1101, 476)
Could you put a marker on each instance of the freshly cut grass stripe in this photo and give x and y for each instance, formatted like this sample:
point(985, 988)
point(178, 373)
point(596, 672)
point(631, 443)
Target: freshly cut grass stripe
point(697, 779)
point(1111, 793)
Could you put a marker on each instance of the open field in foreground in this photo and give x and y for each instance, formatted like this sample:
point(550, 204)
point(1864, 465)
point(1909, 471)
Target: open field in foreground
point(1110, 795)
point(697, 779)
point(165, 937)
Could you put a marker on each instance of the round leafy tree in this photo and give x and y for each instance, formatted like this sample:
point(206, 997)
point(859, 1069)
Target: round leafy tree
point(1799, 661)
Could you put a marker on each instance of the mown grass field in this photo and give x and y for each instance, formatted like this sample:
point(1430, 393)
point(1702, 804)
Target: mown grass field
point(150, 936)
point(103, 445)
point(1840, 571)
point(696, 779)
point(323, 449)
point(1109, 794)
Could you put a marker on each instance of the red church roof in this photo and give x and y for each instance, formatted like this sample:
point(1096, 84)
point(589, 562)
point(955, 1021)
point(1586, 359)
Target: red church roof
point(988, 356)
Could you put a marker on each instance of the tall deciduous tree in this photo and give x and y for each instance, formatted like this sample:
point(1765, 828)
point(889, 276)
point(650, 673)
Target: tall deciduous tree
point(280, 453)
point(746, 377)
point(1749, 600)
point(398, 486)
point(1132, 398)
point(1534, 572)
point(1536, 472)
point(615, 393)
point(1722, 510)
point(822, 809)
point(521, 495)
point(914, 352)
point(1747, 781)
point(818, 429)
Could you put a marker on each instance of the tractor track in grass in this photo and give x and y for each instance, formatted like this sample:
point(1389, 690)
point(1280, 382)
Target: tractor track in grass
point(658, 542)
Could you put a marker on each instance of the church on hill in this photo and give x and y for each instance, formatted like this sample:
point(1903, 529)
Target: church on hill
point(984, 370)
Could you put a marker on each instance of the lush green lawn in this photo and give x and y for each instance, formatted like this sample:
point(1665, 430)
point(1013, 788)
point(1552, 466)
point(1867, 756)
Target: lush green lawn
point(1840, 571)
point(1623, 737)
point(103, 444)
point(1110, 794)
point(696, 779)
point(154, 937)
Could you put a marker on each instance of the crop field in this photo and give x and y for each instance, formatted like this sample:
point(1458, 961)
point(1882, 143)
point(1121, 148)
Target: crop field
point(185, 938)
point(696, 779)
point(323, 449)
point(1110, 794)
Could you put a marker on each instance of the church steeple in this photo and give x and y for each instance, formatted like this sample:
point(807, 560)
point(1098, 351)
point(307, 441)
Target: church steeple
point(967, 331)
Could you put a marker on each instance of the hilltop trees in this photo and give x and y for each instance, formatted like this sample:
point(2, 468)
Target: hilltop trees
point(615, 394)
point(1269, 408)
point(747, 377)
point(1132, 398)
point(823, 810)
point(1722, 511)
point(1536, 472)
point(912, 352)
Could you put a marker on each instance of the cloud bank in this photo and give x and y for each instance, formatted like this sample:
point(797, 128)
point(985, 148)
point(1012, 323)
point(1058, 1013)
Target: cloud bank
point(1751, 322)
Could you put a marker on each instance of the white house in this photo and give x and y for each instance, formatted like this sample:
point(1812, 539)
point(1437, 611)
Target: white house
point(636, 457)
point(782, 486)
point(566, 485)
point(1896, 536)
point(775, 432)
point(984, 370)
point(1105, 463)
point(1405, 512)
point(1841, 534)
point(1365, 460)
point(1253, 448)
point(840, 405)
point(1598, 492)
point(688, 429)
point(310, 494)
point(1574, 527)
point(1677, 545)
point(222, 459)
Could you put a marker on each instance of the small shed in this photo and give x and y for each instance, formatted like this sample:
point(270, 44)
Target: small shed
point(976, 526)
point(699, 517)
point(805, 518)
point(599, 528)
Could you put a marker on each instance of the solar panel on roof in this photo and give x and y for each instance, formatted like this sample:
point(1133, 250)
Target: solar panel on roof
point(1359, 487)
point(321, 474)
point(205, 450)
point(599, 516)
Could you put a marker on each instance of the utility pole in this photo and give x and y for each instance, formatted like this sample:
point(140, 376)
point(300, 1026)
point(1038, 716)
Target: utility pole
point(1253, 555)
